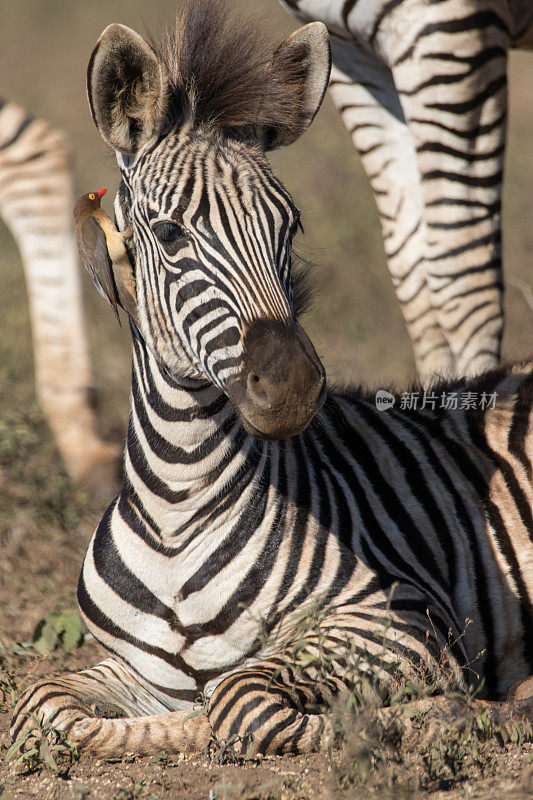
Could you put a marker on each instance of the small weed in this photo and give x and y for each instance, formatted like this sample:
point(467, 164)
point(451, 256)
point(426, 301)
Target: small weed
point(10, 685)
point(43, 745)
point(461, 749)
point(224, 751)
point(201, 709)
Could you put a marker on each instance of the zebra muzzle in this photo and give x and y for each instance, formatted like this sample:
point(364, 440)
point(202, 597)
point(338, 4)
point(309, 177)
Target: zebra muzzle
point(283, 383)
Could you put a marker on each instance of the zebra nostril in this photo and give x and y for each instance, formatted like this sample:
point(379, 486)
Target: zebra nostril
point(257, 392)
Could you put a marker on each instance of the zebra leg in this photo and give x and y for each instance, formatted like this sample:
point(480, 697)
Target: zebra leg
point(84, 706)
point(267, 714)
point(258, 717)
point(363, 90)
point(457, 117)
point(253, 704)
point(36, 201)
point(272, 707)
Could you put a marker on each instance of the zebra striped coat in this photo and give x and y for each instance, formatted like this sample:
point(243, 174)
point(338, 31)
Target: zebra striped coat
point(422, 89)
point(249, 496)
point(36, 198)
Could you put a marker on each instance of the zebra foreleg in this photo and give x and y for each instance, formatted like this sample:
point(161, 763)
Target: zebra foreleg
point(173, 732)
point(267, 712)
point(363, 90)
point(84, 707)
point(258, 723)
point(459, 130)
point(253, 707)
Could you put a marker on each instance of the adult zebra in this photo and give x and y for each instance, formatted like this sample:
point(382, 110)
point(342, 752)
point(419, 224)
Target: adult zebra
point(422, 88)
point(36, 198)
point(223, 521)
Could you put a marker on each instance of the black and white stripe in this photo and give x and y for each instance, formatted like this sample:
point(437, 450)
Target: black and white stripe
point(422, 90)
point(239, 220)
point(215, 531)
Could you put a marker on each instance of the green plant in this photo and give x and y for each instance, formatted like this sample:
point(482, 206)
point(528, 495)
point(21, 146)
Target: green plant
point(60, 629)
point(10, 684)
point(42, 744)
point(201, 708)
point(467, 745)
point(223, 751)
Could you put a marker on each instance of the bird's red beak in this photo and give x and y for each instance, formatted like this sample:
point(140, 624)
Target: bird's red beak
point(101, 193)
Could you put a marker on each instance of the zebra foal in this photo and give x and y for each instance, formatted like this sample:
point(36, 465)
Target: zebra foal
point(238, 512)
point(422, 89)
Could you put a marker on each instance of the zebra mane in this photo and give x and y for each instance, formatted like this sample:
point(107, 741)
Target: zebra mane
point(485, 383)
point(303, 284)
point(221, 73)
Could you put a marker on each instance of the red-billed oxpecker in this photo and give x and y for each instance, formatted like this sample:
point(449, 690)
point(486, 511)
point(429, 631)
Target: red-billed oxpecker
point(103, 252)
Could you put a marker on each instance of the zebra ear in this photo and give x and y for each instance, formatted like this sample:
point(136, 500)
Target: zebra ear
point(125, 86)
point(306, 58)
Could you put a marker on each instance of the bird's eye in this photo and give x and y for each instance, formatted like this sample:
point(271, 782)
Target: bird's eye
point(169, 232)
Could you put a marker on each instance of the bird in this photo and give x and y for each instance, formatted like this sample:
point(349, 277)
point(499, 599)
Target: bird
point(103, 253)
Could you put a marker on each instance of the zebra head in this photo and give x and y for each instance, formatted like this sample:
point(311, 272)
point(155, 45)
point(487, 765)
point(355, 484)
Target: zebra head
point(211, 225)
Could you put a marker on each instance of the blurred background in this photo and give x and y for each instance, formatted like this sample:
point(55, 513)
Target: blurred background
point(355, 321)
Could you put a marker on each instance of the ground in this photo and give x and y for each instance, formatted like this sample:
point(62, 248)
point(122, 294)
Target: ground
point(46, 522)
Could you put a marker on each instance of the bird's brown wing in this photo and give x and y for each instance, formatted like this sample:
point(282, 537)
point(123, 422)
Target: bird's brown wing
point(92, 248)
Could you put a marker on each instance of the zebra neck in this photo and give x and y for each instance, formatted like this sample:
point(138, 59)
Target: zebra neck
point(186, 449)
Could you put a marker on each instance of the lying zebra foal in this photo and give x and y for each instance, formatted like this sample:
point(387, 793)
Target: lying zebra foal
point(249, 492)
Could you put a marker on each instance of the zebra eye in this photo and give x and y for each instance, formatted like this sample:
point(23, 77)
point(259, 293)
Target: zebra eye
point(169, 232)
